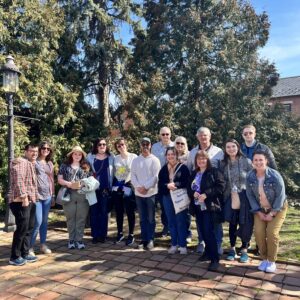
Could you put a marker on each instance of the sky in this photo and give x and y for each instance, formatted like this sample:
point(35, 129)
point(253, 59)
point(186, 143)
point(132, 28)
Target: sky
point(283, 47)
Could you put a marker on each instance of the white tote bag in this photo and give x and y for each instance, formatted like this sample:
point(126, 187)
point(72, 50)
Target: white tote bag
point(180, 199)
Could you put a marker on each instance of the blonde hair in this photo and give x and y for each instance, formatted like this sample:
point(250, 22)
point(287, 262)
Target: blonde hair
point(183, 139)
point(250, 127)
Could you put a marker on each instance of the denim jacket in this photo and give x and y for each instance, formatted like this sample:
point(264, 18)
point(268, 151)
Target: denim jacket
point(273, 186)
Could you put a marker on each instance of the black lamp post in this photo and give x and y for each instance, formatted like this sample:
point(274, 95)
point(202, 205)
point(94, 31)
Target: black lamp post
point(10, 74)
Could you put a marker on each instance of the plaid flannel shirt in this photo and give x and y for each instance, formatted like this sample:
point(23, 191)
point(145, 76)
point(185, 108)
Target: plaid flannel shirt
point(23, 184)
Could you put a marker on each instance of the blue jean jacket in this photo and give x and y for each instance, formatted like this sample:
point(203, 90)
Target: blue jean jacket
point(273, 186)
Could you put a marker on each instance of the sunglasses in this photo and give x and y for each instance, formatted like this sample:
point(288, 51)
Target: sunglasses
point(46, 148)
point(165, 134)
point(120, 145)
point(248, 133)
point(101, 144)
point(145, 144)
point(179, 143)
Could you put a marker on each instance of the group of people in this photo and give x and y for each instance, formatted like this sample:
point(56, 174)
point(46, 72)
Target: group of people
point(239, 185)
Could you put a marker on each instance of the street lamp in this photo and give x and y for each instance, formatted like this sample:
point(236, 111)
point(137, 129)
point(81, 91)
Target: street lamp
point(10, 74)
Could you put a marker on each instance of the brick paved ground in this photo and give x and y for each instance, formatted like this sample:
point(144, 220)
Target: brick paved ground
point(109, 271)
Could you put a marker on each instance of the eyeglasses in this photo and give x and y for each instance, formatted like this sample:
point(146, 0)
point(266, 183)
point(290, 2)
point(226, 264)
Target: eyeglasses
point(46, 148)
point(120, 145)
point(179, 143)
point(248, 133)
point(165, 134)
point(101, 144)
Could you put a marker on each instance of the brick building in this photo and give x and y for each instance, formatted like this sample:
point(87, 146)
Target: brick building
point(287, 92)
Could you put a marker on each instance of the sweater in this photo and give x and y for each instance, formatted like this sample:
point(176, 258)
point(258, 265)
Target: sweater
point(144, 173)
point(181, 178)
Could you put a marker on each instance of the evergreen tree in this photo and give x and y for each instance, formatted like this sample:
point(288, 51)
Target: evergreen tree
point(91, 53)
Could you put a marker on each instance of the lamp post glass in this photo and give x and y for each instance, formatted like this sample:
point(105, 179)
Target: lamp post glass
point(10, 81)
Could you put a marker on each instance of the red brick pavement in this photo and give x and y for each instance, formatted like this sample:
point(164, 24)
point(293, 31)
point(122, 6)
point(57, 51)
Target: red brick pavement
point(109, 271)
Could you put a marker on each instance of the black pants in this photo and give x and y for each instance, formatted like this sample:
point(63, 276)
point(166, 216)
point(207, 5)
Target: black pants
point(206, 222)
point(25, 218)
point(233, 236)
point(121, 204)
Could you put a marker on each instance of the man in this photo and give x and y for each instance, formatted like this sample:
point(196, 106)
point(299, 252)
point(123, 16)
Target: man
point(251, 145)
point(144, 177)
point(22, 197)
point(159, 150)
point(215, 155)
point(204, 138)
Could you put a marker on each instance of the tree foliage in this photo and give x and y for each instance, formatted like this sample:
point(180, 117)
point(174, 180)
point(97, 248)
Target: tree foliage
point(192, 63)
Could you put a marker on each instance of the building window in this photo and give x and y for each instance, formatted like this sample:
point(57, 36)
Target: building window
point(287, 107)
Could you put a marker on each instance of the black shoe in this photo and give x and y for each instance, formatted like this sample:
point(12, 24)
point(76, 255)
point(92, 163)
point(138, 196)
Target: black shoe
point(120, 238)
point(94, 240)
point(142, 245)
point(101, 239)
point(165, 232)
point(204, 257)
point(130, 240)
point(213, 266)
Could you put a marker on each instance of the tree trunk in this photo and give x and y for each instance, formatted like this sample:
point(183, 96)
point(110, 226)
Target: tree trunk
point(103, 104)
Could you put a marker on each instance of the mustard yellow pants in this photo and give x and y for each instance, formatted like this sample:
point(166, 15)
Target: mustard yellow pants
point(267, 234)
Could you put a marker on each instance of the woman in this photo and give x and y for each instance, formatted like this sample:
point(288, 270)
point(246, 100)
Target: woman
point(122, 194)
point(266, 193)
point(206, 188)
point(183, 153)
point(45, 184)
point(182, 149)
point(76, 210)
point(235, 167)
point(102, 162)
point(172, 176)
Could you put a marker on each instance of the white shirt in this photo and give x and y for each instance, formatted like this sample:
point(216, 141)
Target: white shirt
point(122, 166)
point(144, 173)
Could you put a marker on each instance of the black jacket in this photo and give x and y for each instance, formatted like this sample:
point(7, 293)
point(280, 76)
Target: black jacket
point(181, 178)
point(213, 185)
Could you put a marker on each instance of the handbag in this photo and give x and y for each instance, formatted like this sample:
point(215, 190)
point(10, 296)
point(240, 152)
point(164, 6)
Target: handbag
point(235, 198)
point(63, 196)
point(180, 198)
point(63, 193)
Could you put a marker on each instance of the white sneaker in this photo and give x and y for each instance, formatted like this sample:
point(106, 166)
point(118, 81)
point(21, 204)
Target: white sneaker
point(44, 249)
point(71, 244)
point(271, 267)
point(182, 250)
point(31, 252)
point(200, 248)
point(80, 245)
point(150, 245)
point(262, 266)
point(172, 250)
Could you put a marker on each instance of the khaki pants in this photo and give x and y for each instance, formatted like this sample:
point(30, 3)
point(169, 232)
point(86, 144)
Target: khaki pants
point(267, 234)
point(76, 212)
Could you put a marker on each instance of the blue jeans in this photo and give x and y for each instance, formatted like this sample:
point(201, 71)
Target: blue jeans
point(41, 221)
point(146, 209)
point(99, 215)
point(163, 215)
point(177, 223)
point(218, 229)
point(206, 224)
